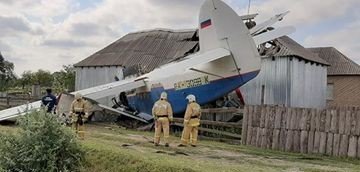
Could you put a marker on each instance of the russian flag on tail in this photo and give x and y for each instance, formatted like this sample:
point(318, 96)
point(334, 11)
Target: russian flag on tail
point(205, 24)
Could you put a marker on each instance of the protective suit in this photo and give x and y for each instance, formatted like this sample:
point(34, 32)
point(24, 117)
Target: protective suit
point(191, 122)
point(163, 115)
point(78, 114)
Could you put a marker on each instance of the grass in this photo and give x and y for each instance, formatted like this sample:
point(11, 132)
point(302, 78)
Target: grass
point(110, 148)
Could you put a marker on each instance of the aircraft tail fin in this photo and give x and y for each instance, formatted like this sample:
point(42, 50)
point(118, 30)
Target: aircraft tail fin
point(221, 27)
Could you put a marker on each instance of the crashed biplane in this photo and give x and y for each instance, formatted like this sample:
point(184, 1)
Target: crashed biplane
point(228, 58)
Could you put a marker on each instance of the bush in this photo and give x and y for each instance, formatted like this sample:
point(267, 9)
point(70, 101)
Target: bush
point(42, 144)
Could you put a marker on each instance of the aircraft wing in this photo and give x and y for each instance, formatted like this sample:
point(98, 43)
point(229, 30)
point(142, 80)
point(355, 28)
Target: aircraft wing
point(111, 88)
point(18, 110)
point(66, 100)
point(91, 93)
point(260, 27)
point(179, 67)
point(271, 35)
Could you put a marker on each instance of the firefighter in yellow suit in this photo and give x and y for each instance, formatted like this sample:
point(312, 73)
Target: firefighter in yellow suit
point(78, 114)
point(163, 115)
point(191, 122)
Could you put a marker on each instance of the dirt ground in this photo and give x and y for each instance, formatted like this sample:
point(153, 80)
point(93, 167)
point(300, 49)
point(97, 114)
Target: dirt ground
point(214, 156)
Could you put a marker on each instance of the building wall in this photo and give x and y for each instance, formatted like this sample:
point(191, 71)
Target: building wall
point(345, 91)
point(287, 81)
point(87, 77)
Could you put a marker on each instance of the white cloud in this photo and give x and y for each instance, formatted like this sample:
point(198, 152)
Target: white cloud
point(345, 40)
point(50, 33)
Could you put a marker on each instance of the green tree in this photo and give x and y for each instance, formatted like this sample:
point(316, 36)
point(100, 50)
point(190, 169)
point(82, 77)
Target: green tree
point(64, 79)
point(26, 79)
point(43, 78)
point(7, 76)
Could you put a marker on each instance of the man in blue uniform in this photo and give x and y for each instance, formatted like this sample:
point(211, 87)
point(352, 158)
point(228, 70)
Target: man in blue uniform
point(49, 101)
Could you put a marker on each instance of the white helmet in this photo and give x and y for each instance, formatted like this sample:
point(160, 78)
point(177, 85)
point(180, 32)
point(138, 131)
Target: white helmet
point(191, 98)
point(78, 96)
point(163, 95)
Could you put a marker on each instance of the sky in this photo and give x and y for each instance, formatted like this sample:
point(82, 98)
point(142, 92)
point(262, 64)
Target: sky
point(47, 34)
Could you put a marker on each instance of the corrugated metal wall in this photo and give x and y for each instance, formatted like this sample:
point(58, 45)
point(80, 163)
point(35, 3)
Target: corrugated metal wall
point(87, 77)
point(288, 81)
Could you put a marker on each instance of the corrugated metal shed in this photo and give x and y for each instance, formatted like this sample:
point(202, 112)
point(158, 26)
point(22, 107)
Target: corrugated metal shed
point(148, 49)
point(339, 63)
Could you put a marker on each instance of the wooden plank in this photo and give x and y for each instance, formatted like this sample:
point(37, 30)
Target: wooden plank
point(358, 150)
point(297, 141)
point(215, 131)
point(344, 144)
point(342, 115)
point(255, 118)
point(288, 118)
point(278, 115)
point(322, 147)
point(223, 110)
point(258, 137)
point(214, 123)
point(316, 142)
point(271, 122)
point(311, 141)
point(283, 118)
point(334, 128)
point(328, 121)
point(269, 138)
point(322, 120)
point(348, 122)
point(357, 133)
point(263, 138)
point(244, 125)
point(317, 120)
point(253, 136)
point(303, 120)
point(267, 117)
point(313, 120)
point(353, 121)
point(304, 141)
point(276, 139)
point(282, 139)
point(352, 146)
point(289, 140)
point(329, 143)
point(294, 120)
point(249, 130)
point(336, 144)
point(262, 117)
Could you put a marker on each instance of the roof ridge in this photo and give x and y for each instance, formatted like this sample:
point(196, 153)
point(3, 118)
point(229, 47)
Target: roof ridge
point(163, 30)
point(346, 58)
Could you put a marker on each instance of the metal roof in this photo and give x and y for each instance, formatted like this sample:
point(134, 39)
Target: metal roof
point(149, 49)
point(152, 48)
point(339, 63)
point(289, 47)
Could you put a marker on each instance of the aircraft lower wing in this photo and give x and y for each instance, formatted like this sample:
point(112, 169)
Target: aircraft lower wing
point(123, 113)
point(18, 110)
point(66, 100)
point(262, 26)
point(92, 93)
point(271, 35)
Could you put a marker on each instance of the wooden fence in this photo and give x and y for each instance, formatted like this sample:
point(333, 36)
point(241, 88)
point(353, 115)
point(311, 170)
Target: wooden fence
point(219, 123)
point(333, 132)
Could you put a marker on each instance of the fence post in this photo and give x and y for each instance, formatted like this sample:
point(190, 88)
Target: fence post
point(8, 101)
